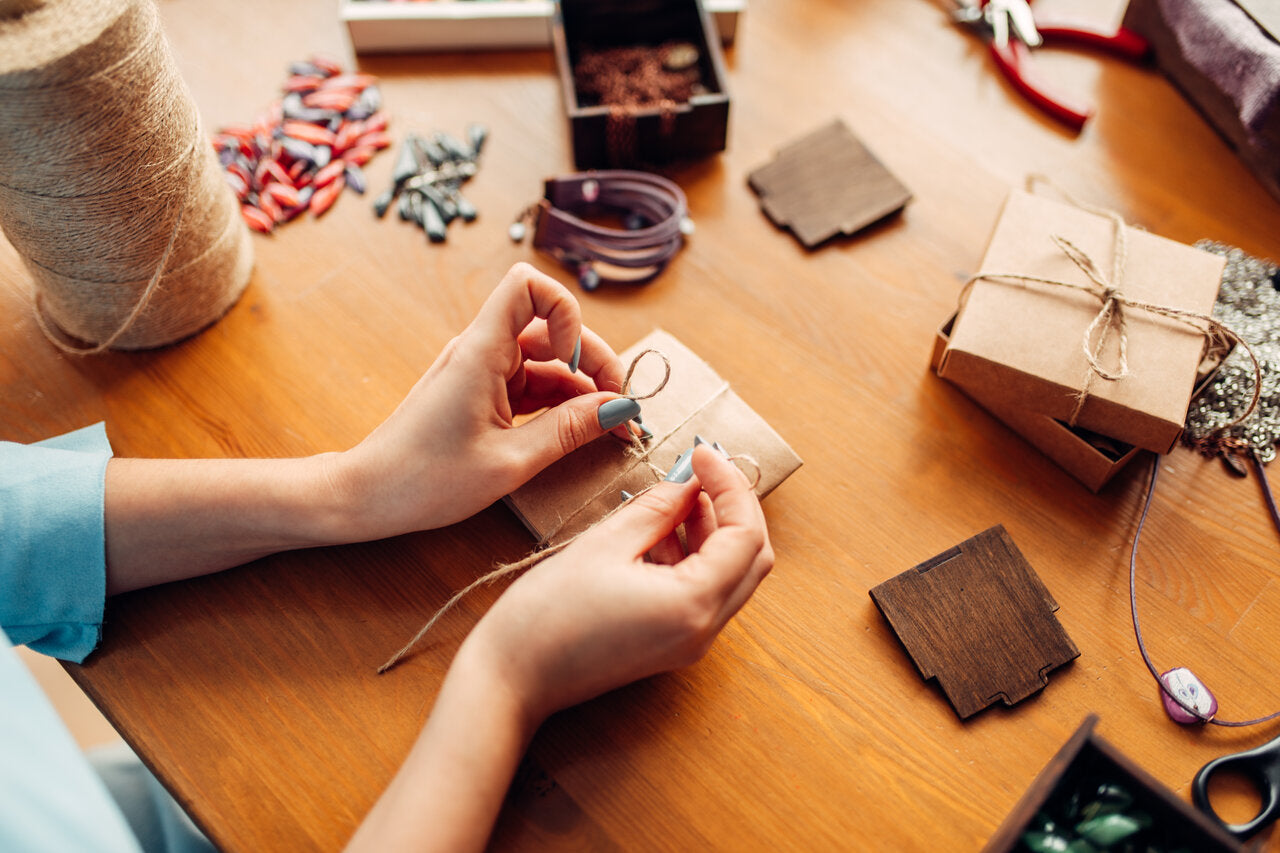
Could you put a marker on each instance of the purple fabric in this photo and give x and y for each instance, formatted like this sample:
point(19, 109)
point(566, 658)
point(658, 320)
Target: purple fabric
point(1227, 66)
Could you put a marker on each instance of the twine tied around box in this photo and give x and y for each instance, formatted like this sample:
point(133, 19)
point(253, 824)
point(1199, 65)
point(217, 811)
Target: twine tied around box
point(1111, 315)
point(637, 449)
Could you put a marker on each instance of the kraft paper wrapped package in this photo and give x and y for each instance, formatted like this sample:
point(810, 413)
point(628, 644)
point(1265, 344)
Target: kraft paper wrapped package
point(580, 489)
point(1020, 344)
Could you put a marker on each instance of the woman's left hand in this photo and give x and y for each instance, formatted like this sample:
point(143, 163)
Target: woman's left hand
point(452, 447)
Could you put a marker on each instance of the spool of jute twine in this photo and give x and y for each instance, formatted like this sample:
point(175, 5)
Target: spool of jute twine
point(109, 189)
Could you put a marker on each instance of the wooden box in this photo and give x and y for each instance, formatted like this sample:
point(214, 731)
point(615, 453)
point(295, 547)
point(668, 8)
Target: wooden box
point(613, 135)
point(1087, 761)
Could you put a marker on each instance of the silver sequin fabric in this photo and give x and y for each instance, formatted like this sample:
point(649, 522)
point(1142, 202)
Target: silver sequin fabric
point(1249, 304)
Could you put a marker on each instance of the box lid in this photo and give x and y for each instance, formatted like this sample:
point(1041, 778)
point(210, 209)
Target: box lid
point(1022, 343)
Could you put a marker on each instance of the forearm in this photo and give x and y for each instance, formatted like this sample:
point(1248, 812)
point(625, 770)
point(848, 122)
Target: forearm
point(168, 519)
point(447, 794)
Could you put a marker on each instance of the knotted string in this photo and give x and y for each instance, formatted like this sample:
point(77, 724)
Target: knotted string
point(1111, 316)
point(638, 451)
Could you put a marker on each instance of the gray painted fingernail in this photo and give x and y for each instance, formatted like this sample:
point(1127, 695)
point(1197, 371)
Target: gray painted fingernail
point(682, 470)
point(720, 447)
point(617, 412)
point(645, 432)
point(577, 356)
point(626, 496)
point(697, 439)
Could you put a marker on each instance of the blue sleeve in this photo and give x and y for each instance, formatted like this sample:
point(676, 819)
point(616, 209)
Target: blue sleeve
point(52, 543)
point(50, 798)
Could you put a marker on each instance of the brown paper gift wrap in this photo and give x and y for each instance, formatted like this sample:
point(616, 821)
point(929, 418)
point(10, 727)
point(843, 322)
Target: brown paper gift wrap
point(580, 489)
point(1021, 344)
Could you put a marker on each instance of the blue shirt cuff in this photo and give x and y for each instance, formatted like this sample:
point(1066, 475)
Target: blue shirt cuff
point(52, 553)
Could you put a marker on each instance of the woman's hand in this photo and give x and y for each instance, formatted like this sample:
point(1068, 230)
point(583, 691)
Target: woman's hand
point(451, 448)
point(594, 617)
point(600, 615)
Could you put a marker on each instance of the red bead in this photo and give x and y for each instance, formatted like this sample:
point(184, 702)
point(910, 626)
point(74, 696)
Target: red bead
point(302, 83)
point(326, 176)
point(359, 154)
point(376, 140)
point(339, 100)
point(347, 134)
point(283, 194)
point(377, 121)
point(270, 208)
point(358, 82)
point(269, 170)
point(256, 219)
point(323, 198)
point(240, 172)
point(308, 132)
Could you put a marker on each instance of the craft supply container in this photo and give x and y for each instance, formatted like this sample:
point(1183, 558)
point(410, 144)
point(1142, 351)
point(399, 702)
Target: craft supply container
point(1087, 760)
point(692, 129)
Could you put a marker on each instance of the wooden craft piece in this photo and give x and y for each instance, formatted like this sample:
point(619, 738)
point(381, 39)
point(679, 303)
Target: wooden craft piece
point(977, 618)
point(580, 489)
point(827, 183)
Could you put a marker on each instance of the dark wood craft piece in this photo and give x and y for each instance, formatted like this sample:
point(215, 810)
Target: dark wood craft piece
point(827, 183)
point(979, 620)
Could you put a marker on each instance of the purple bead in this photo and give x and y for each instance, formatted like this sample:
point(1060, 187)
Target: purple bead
point(1183, 683)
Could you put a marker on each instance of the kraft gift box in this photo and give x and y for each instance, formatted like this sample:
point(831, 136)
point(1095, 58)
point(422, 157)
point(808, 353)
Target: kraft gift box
point(1020, 345)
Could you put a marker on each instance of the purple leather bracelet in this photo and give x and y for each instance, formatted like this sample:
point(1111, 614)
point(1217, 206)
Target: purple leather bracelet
point(652, 209)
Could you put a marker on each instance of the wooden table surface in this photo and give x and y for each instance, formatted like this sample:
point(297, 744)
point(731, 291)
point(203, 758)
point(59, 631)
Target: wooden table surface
point(253, 693)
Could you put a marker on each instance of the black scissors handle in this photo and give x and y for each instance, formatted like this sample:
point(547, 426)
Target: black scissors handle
point(1261, 766)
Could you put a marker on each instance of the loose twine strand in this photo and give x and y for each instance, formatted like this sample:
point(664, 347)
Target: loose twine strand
point(1111, 316)
point(108, 189)
point(638, 451)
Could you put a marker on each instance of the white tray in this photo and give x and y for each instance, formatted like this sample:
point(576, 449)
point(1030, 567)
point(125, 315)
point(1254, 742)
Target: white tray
point(378, 26)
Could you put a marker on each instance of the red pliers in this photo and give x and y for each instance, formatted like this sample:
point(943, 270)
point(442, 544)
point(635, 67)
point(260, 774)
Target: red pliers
point(1013, 30)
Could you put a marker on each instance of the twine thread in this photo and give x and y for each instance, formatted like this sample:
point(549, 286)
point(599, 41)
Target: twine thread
point(109, 191)
point(542, 551)
point(1111, 316)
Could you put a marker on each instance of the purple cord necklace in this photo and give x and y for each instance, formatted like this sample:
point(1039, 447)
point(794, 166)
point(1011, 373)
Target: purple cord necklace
point(1186, 698)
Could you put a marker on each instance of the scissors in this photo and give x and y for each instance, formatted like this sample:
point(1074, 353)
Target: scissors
point(1261, 766)
point(1012, 30)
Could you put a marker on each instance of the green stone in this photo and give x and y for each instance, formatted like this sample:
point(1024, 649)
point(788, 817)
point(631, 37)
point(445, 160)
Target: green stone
point(1109, 829)
point(1045, 842)
point(1108, 799)
point(1081, 846)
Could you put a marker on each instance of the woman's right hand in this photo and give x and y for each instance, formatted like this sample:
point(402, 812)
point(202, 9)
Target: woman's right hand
point(600, 615)
point(591, 618)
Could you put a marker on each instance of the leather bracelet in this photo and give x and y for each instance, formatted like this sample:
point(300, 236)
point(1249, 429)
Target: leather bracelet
point(652, 209)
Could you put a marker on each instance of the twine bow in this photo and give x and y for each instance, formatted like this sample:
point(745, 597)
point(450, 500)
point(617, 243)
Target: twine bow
point(1111, 316)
